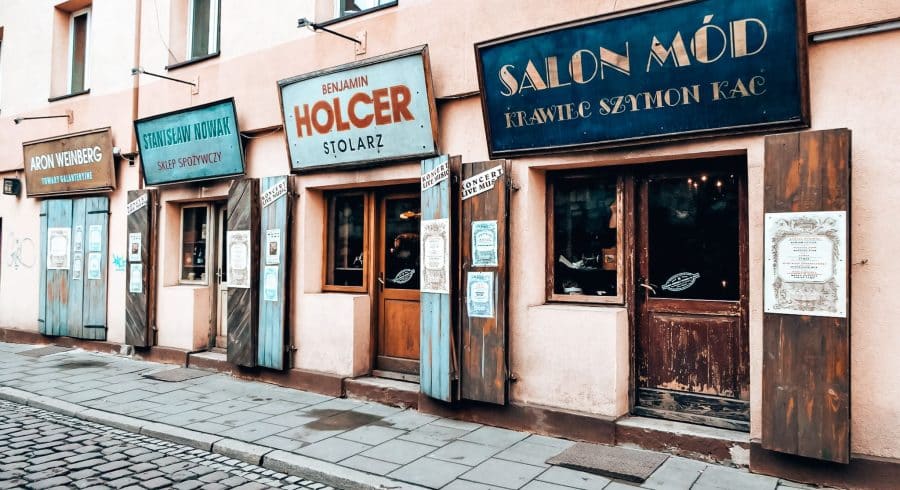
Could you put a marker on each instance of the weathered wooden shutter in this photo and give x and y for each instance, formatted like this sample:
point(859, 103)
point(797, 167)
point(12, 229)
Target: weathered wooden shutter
point(439, 365)
point(275, 202)
point(140, 301)
point(56, 286)
point(94, 306)
point(43, 327)
point(484, 191)
point(243, 302)
point(806, 359)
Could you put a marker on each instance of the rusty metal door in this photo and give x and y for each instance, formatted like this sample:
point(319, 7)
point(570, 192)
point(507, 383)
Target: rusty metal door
point(691, 295)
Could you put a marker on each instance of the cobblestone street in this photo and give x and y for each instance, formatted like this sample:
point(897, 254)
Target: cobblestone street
point(41, 449)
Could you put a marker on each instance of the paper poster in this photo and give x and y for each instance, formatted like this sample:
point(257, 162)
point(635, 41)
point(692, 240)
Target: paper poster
point(273, 246)
point(480, 295)
point(806, 263)
point(481, 182)
point(93, 264)
point(273, 193)
point(94, 238)
point(58, 248)
point(238, 258)
point(138, 203)
point(435, 176)
point(484, 244)
point(78, 242)
point(134, 247)
point(435, 254)
point(76, 266)
point(136, 279)
point(270, 283)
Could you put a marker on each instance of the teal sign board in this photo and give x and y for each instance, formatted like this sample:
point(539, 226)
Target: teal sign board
point(687, 69)
point(199, 143)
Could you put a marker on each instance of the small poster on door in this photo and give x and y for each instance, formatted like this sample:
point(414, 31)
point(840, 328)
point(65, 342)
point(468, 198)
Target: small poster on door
point(58, 248)
point(93, 266)
point(435, 256)
point(76, 266)
point(270, 283)
point(134, 247)
point(94, 238)
point(484, 243)
point(480, 294)
point(238, 259)
point(136, 279)
point(273, 246)
point(78, 242)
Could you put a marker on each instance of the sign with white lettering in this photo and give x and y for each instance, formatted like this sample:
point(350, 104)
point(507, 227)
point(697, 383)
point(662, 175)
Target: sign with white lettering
point(481, 182)
point(70, 164)
point(136, 204)
point(199, 143)
point(361, 113)
point(435, 176)
point(806, 263)
point(659, 73)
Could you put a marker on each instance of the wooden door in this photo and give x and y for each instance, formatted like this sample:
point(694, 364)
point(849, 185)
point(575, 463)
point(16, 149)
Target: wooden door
point(140, 267)
point(691, 296)
point(398, 283)
point(242, 259)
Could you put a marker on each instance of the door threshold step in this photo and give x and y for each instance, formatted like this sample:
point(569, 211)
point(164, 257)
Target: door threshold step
point(693, 441)
point(210, 361)
point(392, 392)
point(684, 428)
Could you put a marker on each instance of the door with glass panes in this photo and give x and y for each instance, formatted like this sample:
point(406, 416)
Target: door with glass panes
point(691, 294)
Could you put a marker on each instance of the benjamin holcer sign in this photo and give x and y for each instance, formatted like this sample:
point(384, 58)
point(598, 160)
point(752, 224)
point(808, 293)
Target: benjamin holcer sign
point(198, 143)
point(651, 74)
point(361, 113)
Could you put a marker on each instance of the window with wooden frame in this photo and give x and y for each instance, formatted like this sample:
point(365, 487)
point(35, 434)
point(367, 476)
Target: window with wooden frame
point(79, 50)
point(585, 234)
point(195, 233)
point(347, 242)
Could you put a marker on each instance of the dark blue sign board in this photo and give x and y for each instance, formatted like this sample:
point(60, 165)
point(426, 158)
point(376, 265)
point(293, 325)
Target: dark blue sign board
point(687, 69)
point(198, 143)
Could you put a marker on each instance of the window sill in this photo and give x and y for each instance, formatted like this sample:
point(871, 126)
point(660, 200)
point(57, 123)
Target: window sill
point(68, 96)
point(192, 61)
point(344, 289)
point(337, 20)
point(586, 300)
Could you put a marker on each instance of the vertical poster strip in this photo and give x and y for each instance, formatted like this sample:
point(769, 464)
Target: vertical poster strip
point(243, 248)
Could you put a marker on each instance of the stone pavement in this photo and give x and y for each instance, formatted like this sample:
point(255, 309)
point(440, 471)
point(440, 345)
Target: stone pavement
point(346, 443)
point(45, 450)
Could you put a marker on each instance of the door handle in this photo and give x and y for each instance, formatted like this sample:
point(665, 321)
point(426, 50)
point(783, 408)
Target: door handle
point(380, 279)
point(648, 287)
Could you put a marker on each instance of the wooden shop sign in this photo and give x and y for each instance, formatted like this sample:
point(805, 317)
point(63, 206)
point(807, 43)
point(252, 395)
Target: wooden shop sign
point(70, 164)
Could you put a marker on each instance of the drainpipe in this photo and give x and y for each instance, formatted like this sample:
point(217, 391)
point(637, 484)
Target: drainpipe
point(136, 85)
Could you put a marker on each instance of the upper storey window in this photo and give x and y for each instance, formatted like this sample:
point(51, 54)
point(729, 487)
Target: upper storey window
point(79, 46)
point(202, 28)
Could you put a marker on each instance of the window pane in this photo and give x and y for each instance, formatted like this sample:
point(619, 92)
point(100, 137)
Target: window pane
point(354, 6)
point(79, 52)
point(693, 236)
point(193, 244)
point(401, 250)
point(200, 28)
point(584, 237)
point(346, 230)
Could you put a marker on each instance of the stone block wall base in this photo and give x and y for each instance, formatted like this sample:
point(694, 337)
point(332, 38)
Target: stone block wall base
point(861, 472)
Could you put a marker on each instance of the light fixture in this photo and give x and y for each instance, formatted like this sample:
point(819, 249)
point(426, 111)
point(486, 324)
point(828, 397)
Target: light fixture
point(304, 22)
point(68, 115)
point(11, 186)
point(139, 70)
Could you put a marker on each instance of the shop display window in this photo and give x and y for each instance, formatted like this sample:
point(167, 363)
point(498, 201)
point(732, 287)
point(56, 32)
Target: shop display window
point(194, 240)
point(346, 246)
point(584, 239)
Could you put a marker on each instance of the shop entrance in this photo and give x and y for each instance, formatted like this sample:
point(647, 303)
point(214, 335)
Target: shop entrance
point(691, 296)
point(221, 287)
point(397, 251)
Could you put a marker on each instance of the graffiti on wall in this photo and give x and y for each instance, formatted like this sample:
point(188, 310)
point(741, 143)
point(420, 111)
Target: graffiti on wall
point(22, 254)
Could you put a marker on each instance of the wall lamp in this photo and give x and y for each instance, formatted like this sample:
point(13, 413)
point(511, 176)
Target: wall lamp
point(68, 115)
point(304, 22)
point(139, 70)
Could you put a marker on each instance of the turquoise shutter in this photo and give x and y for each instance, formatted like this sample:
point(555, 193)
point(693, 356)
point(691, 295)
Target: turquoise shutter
point(96, 214)
point(274, 278)
point(59, 215)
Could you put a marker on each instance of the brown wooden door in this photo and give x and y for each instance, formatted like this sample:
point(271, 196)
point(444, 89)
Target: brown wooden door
point(398, 283)
point(691, 296)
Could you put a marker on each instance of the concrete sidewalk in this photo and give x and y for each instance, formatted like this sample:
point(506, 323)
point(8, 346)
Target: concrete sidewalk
point(347, 443)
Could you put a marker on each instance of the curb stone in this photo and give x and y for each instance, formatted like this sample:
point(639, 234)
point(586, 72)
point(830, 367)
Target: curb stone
point(240, 450)
point(335, 475)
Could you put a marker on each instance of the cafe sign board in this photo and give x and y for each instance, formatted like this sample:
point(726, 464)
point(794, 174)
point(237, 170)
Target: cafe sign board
point(70, 164)
point(687, 69)
point(361, 113)
point(198, 143)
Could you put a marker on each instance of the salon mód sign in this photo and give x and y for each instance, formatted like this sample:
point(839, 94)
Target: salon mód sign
point(686, 69)
point(361, 113)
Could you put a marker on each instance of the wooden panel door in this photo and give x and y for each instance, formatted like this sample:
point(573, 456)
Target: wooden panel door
point(691, 297)
point(806, 359)
point(274, 261)
point(140, 304)
point(96, 219)
point(398, 283)
point(242, 247)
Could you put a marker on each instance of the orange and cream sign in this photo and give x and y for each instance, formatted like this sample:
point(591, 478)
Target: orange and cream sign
point(373, 111)
point(70, 164)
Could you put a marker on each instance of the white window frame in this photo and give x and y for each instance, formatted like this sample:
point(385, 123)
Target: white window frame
point(209, 230)
point(338, 13)
point(87, 48)
point(213, 30)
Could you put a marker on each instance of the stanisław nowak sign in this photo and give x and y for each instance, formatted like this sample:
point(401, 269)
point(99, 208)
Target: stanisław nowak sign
point(361, 113)
point(198, 143)
point(653, 74)
point(69, 164)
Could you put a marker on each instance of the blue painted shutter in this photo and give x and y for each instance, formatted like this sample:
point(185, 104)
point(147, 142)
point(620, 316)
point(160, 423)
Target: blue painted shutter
point(74, 322)
point(273, 317)
point(59, 215)
point(42, 294)
point(96, 211)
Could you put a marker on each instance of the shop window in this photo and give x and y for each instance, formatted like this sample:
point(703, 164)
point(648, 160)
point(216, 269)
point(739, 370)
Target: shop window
point(194, 244)
point(202, 28)
point(585, 240)
point(79, 49)
point(346, 246)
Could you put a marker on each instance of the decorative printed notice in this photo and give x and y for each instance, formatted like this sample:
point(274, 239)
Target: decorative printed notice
point(273, 246)
point(681, 281)
point(484, 244)
point(806, 263)
point(94, 238)
point(435, 254)
point(93, 265)
point(58, 240)
point(480, 295)
point(76, 266)
point(134, 247)
point(273, 193)
point(270, 283)
point(78, 243)
point(138, 203)
point(136, 279)
point(238, 259)
point(481, 182)
point(435, 176)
